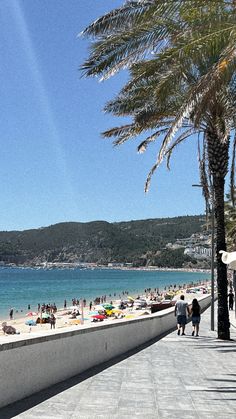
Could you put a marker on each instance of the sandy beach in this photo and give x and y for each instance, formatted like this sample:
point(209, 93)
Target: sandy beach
point(86, 317)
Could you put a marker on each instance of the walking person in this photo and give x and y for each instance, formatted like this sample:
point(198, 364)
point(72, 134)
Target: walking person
point(231, 299)
point(181, 312)
point(195, 312)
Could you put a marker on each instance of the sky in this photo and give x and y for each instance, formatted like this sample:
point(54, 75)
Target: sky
point(54, 164)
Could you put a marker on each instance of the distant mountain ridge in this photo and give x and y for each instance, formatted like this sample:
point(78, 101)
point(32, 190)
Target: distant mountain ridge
point(97, 241)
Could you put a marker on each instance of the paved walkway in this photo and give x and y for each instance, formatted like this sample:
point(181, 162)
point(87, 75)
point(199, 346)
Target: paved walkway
point(175, 377)
point(232, 318)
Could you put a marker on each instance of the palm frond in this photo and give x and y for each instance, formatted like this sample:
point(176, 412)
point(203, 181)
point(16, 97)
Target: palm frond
point(123, 133)
point(203, 170)
point(121, 17)
point(180, 139)
point(144, 144)
point(113, 53)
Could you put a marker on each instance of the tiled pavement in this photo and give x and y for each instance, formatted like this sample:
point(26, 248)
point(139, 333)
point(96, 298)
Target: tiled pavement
point(175, 377)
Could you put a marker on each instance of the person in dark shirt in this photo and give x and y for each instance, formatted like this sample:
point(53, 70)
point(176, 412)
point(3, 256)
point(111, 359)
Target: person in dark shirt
point(52, 321)
point(231, 299)
point(11, 314)
point(196, 316)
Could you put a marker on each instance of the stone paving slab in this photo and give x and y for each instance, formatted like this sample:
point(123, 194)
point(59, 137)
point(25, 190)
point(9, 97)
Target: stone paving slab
point(176, 377)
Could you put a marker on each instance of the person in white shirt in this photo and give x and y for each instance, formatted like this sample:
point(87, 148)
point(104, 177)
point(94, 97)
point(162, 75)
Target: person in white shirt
point(181, 312)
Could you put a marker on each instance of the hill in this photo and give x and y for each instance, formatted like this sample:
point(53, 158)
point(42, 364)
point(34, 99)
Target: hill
point(136, 242)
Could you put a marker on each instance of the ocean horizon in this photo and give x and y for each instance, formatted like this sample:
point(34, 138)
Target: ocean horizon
point(24, 287)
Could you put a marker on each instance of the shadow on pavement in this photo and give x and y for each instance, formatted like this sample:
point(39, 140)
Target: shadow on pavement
point(21, 406)
point(220, 390)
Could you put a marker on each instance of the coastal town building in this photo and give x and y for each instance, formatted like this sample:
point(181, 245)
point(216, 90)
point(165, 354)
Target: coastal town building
point(197, 246)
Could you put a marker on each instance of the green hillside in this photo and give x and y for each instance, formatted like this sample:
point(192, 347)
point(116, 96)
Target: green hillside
point(99, 241)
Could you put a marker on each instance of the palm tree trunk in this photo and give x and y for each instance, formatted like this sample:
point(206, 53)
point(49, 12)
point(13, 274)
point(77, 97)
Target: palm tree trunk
point(218, 156)
point(222, 282)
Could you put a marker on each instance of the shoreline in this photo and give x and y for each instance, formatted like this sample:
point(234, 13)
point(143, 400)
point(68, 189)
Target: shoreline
point(68, 266)
point(64, 321)
point(131, 287)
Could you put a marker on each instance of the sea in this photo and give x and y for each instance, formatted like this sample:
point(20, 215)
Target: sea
point(23, 288)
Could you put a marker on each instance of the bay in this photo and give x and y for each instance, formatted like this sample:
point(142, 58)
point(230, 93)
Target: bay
point(21, 287)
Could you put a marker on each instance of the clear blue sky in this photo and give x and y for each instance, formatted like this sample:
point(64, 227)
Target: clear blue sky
point(54, 165)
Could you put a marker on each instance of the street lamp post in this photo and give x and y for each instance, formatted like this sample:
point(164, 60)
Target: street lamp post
point(212, 260)
point(212, 264)
point(234, 285)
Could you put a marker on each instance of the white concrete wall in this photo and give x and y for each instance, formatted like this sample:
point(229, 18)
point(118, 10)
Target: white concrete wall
point(30, 365)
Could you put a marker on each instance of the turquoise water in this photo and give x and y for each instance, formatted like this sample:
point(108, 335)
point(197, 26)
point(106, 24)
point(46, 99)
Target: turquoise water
point(20, 287)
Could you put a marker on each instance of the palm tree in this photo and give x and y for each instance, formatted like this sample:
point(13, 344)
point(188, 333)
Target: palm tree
point(167, 93)
point(138, 99)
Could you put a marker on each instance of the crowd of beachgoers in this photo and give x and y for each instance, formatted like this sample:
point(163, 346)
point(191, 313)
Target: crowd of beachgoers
point(105, 308)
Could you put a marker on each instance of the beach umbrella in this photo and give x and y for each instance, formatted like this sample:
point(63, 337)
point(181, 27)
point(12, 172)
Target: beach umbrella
point(31, 323)
point(99, 308)
point(45, 316)
point(31, 313)
point(117, 310)
point(99, 316)
point(109, 312)
point(130, 298)
point(108, 306)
